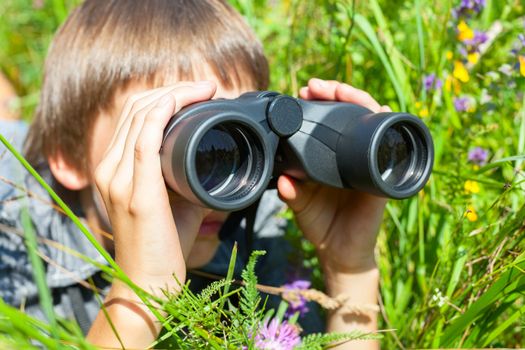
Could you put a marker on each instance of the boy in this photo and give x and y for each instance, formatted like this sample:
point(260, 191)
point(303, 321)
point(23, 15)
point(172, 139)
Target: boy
point(115, 74)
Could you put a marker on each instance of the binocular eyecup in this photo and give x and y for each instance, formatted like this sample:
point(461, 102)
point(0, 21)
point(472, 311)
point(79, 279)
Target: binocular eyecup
point(222, 153)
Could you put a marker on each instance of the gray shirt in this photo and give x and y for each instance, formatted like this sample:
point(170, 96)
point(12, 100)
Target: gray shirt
point(64, 270)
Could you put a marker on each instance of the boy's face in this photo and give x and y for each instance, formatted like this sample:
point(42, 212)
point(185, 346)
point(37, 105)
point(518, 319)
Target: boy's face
point(105, 125)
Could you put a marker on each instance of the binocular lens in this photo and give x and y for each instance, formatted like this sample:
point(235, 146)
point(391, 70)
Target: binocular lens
point(396, 157)
point(218, 159)
point(228, 161)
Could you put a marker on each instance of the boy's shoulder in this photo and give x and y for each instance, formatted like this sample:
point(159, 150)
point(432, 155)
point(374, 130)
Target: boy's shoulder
point(56, 234)
point(14, 132)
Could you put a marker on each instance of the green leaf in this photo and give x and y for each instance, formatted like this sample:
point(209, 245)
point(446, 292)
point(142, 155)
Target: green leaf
point(510, 281)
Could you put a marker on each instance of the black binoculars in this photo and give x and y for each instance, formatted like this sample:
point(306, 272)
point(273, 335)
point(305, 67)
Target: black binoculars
point(222, 153)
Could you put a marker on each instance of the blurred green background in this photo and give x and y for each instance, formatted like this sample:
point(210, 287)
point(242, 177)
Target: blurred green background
point(452, 259)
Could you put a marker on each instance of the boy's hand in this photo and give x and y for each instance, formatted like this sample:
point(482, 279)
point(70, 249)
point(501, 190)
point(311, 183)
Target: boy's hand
point(153, 229)
point(342, 224)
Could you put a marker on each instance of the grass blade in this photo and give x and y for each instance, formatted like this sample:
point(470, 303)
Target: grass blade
point(39, 274)
point(364, 25)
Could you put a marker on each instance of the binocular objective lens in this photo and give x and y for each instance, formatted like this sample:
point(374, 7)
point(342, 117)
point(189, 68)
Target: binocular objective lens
point(218, 159)
point(396, 155)
point(228, 161)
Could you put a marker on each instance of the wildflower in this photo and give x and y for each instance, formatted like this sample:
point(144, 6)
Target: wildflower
point(462, 104)
point(460, 72)
point(275, 336)
point(297, 303)
point(468, 7)
point(464, 32)
point(438, 298)
point(451, 82)
point(432, 83)
point(478, 39)
point(505, 69)
point(478, 156)
point(449, 55)
point(485, 97)
point(471, 187)
point(522, 65)
point(421, 109)
point(473, 58)
point(472, 46)
point(471, 214)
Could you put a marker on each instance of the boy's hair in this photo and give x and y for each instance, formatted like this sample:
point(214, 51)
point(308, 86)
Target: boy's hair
point(107, 44)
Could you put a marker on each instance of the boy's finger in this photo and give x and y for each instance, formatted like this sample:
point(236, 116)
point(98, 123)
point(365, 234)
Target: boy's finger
point(122, 178)
point(335, 91)
point(296, 195)
point(146, 160)
point(146, 150)
point(123, 174)
point(305, 94)
point(322, 89)
point(386, 109)
point(184, 94)
point(139, 101)
point(134, 103)
point(347, 93)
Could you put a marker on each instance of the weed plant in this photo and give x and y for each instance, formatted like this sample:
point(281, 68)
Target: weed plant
point(452, 258)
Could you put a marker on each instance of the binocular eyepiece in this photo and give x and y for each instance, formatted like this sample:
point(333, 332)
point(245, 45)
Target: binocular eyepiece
point(223, 153)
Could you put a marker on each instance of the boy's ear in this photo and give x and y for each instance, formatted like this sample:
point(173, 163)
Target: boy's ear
point(66, 174)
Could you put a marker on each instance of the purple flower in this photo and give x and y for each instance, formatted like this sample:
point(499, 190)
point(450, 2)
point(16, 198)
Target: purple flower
point(471, 46)
point(296, 301)
point(275, 336)
point(468, 7)
point(478, 156)
point(431, 82)
point(478, 39)
point(462, 104)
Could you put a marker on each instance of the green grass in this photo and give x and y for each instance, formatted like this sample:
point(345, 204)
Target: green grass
point(446, 281)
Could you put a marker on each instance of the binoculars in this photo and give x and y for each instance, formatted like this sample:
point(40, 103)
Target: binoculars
point(222, 154)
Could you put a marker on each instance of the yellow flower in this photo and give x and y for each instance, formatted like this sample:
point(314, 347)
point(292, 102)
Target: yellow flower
point(460, 72)
point(471, 186)
point(464, 32)
point(449, 55)
point(421, 109)
point(450, 83)
point(473, 58)
point(471, 214)
point(522, 65)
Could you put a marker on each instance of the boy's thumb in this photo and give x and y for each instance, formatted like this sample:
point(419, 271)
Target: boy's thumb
point(293, 193)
